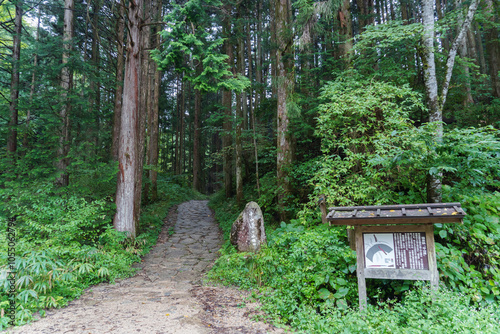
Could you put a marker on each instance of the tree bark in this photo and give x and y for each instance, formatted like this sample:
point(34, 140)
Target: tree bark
point(345, 32)
point(453, 50)
point(463, 49)
point(144, 100)
point(259, 96)
point(182, 117)
point(66, 85)
point(479, 43)
point(14, 84)
point(154, 132)
point(95, 87)
point(147, 89)
point(272, 49)
point(239, 116)
point(253, 106)
point(120, 27)
point(404, 11)
point(285, 82)
point(177, 165)
point(366, 13)
point(32, 88)
point(125, 217)
point(431, 85)
point(226, 105)
point(493, 49)
point(196, 139)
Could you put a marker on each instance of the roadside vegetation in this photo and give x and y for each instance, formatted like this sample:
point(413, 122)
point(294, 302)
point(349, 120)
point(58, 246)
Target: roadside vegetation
point(65, 240)
point(306, 277)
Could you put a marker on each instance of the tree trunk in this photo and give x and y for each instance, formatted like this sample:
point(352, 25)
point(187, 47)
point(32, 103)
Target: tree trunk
point(239, 116)
point(125, 217)
point(95, 87)
point(32, 88)
point(404, 11)
point(66, 85)
point(14, 84)
point(366, 13)
point(253, 106)
point(226, 105)
point(468, 100)
point(196, 139)
point(272, 49)
point(454, 48)
point(463, 52)
point(144, 101)
point(444, 39)
point(154, 131)
point(493, 49)
point(345, 32)
point(259, 96)
point(480, 50)
point(250, 76)
point(146, 104)
point(431, 85)
point(177, 167)
point(120, 27)
point(182, 116)
point(285, 80)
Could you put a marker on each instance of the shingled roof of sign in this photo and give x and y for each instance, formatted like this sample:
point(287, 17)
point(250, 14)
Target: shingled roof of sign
point(396, 214)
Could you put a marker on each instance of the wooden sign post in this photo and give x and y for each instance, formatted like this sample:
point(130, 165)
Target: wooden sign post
point(395, 242)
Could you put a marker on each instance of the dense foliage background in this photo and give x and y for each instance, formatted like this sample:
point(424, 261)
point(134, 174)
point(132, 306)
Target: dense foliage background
point(276, 101)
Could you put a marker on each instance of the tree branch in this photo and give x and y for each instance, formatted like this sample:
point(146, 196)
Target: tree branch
point(152, 24)
point(453, 51)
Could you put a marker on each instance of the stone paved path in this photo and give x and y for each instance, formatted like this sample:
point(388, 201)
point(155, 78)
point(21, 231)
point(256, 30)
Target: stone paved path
point(165, 296)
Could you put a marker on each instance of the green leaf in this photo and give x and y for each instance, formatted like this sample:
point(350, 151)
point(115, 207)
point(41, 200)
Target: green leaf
point(341, 293)
point(324, 293)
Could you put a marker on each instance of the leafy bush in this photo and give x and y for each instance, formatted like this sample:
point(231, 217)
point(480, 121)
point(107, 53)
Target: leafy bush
point(420, 311)
point(468, 158)
point(468, 254)
point(373, 154)
point(355, 115)
point(301, 267)
point(66, 240)
point(306, 278)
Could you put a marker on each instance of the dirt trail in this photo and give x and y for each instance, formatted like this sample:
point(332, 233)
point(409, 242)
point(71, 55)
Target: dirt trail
point(166, 295)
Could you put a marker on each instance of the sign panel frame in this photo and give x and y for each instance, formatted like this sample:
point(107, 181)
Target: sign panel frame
point(431, 274)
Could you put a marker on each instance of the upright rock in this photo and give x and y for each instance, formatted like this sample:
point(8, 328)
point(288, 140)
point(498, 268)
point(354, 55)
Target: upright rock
point(248, 233)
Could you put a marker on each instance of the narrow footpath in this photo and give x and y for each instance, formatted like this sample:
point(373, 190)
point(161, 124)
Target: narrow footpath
point(166, 295)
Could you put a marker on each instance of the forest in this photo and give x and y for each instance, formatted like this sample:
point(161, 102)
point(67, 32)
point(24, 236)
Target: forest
point(112, 111)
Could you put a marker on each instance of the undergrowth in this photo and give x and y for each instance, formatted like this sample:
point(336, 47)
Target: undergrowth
point(65, 241)
point(306, 277)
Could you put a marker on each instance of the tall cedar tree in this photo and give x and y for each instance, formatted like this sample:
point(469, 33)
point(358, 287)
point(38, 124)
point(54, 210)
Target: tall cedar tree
point(125, 217)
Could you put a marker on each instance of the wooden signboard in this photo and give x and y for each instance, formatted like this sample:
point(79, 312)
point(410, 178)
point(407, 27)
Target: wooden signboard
point(395, 242)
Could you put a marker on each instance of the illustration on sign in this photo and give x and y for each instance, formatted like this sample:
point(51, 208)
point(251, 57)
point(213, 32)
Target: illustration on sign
point(406, 250)
point(379, 250)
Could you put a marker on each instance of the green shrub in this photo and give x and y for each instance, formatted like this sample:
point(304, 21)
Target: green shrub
point(66, 240)
point(468, 254)
point(306, 278)
point(301, 266)
point(355, 116)
point(420, 311)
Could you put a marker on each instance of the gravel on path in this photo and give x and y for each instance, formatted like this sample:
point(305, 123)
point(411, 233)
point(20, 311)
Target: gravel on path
point(166, 295)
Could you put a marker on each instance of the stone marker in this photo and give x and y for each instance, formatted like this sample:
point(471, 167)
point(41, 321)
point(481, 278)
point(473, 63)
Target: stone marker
point(248, 233)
